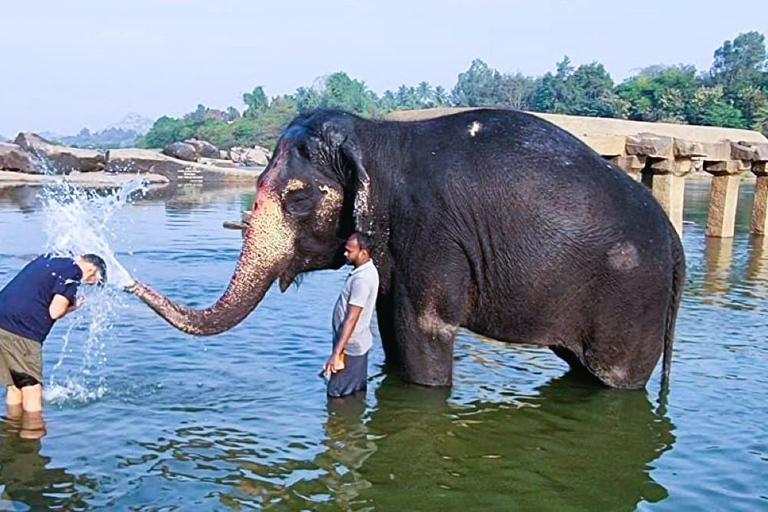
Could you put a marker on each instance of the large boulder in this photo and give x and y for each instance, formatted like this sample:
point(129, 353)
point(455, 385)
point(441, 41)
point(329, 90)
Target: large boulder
point(146, 161)
point(13, 158)
point(142, 161)
point(204, 148)
point(60, 159)
point(182, 151)
point(255, 156)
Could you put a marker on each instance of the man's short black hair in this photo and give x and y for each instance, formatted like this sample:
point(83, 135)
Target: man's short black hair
point(99, 263)
point(365, 241)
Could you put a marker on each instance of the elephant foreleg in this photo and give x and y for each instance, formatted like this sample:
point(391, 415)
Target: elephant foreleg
point(424, 341)
point(386, 319)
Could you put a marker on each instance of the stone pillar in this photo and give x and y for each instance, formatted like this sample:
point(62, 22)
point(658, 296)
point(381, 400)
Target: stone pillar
point(759, 225)
point(669, 191)
point(632, 165)
point(666, 178)
point(723, 197)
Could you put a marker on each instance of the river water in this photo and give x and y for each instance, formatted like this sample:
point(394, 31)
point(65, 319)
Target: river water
point(140, 416)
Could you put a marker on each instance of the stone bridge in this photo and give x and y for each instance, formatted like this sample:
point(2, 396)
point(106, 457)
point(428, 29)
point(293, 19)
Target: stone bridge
point(662, 155)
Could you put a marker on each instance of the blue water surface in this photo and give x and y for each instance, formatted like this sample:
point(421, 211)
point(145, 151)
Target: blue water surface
point(141, 416)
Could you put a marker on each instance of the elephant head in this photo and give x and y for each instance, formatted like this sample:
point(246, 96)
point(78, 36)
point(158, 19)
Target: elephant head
point(313, 194)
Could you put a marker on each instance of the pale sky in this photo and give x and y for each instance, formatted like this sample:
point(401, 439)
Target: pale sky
point(68, 64)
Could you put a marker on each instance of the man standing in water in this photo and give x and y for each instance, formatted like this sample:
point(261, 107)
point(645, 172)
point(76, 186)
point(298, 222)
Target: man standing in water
point(44, 291)
point(347, 368)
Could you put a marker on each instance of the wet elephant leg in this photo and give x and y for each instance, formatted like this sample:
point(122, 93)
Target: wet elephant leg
point(627, 338)
point(424, 339)
point(385, 315)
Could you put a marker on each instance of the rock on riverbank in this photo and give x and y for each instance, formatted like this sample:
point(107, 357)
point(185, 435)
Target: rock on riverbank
point(32, 159)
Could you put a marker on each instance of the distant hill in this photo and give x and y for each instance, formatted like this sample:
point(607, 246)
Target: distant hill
point(121, 134)
point(133, 122)
point(4, 139)
point(104, 139)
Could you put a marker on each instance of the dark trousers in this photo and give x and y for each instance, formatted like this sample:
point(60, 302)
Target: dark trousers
point(353, 378)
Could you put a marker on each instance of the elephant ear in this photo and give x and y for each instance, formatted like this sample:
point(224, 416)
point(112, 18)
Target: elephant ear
point(361, 186)
point(354, 177)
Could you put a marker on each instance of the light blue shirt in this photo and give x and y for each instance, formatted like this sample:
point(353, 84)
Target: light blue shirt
point(360, 289)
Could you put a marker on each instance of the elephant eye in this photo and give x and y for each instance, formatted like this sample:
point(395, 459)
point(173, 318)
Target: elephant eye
point(299, 202)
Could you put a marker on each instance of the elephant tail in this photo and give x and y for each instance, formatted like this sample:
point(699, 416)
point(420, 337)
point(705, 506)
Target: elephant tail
point(678, 282)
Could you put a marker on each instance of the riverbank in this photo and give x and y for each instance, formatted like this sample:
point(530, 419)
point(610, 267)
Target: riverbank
point(30, 159)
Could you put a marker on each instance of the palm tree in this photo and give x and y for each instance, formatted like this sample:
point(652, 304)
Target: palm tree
point(424, 94)
point(440, 96)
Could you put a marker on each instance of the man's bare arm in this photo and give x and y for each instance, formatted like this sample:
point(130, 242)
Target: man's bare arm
point(347, 328)
point(59, 306)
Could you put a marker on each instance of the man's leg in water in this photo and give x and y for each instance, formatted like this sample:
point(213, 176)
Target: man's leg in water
point(13, 396)
point(32, 398)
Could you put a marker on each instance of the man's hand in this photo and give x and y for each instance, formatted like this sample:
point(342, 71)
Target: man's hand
point(334, 364)
point(79, 301)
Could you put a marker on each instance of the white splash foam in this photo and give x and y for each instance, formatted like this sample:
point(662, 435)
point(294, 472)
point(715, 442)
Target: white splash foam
point(79, 222)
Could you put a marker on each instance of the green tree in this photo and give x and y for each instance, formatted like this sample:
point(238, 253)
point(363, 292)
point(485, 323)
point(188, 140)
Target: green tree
point(166, 130)
point(589, 92)
point(760, 121)
point(550, 91)
point(344, 93)
point(232, 114)
point(256, 102)
point(440, 96)
point(515, 91)
point(709, 107)
point(660, 93)
point(388, 101)
point(307, 99)
point(476, 86)
point(425, 94)
point(407, 98)
point(740, 62)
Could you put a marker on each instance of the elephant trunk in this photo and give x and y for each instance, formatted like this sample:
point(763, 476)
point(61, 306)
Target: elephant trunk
point(266, 253)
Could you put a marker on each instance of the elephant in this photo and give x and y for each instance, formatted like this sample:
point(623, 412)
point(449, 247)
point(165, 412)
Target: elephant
point(491, 220)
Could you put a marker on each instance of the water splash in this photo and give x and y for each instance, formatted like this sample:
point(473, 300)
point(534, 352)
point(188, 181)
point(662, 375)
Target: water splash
point(78, 222)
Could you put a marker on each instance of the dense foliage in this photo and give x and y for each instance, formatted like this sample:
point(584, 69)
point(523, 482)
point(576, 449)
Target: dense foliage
point(732, 93)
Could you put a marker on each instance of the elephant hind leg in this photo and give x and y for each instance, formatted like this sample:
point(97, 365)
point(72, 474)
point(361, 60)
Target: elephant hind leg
point(575, 364)
point(624, 351)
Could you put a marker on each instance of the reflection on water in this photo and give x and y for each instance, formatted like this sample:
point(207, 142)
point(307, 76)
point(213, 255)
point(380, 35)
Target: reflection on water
point(27, 479)
point(570, 446)
point(757, 264)
point(241, 421)
point(718, 256)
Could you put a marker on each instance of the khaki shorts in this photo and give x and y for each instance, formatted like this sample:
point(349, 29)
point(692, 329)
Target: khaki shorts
point(21, 356)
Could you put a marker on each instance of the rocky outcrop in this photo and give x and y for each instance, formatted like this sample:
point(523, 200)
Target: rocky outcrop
point(33, 160)
point(53, 159)
point(143, 161)
point(204, 148)
point(182, 151)
point(255, 156)
point(13, 158)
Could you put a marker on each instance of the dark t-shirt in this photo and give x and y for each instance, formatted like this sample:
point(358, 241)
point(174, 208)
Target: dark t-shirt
point(24, 302)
